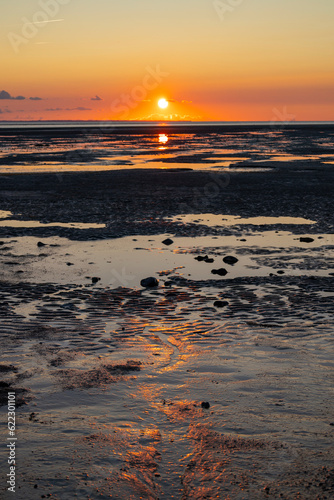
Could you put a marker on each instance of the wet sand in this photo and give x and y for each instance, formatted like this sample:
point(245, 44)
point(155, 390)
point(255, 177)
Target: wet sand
point(113, 380)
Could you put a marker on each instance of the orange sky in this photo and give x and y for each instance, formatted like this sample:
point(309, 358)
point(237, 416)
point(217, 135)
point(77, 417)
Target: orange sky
point(213, 60)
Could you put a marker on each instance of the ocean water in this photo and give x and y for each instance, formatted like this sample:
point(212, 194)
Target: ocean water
point(63, 146)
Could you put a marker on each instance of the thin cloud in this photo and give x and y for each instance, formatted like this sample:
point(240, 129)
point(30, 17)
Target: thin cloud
point(44, 22)
point(35, 98)
point(80, 108)
point(96, 98)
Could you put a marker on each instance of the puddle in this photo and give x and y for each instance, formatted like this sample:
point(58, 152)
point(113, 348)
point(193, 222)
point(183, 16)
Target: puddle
point(5, 215)
point(34, 223)
point(126, 261)
point(213, 220)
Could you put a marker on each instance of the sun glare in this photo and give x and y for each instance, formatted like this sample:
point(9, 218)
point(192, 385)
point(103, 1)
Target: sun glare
point(163, 103)
point(163, 138)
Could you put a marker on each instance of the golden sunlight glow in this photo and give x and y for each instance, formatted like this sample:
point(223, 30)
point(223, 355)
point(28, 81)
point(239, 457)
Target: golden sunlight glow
point(163, 138)
point(163, 103)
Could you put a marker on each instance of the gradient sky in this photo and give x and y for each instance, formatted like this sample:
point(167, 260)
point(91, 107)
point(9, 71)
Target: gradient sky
point(213, 60)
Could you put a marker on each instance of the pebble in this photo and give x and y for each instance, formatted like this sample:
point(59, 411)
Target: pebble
point(229, 259)
point(220, 272)
point(220, 303)
point(205, 404)
point(40, 244)
point(149, 282)
point(306, 239)
point(168, 242)
point(95, 280)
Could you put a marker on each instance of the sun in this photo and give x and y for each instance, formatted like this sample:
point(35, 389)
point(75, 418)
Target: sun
point(163, 103)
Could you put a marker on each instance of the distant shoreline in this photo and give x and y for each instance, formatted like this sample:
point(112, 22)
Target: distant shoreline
point(117, 127)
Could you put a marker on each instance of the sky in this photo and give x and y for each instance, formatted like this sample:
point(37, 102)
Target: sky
point(230, 60)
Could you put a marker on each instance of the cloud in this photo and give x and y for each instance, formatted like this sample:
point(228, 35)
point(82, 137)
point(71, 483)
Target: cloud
point(6, 96)
point(96, 98)
point(35, 98)
point(80, 108)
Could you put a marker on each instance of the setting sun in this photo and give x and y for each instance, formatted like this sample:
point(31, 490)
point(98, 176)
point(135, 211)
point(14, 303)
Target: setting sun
point(163, 103)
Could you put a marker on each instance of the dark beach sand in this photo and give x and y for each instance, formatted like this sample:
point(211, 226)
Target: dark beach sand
point(110, 377)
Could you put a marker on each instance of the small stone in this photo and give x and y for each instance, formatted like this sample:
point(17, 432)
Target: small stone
point(208, 260)
point(200, 258)
point(220, 272)
point(205, 405)
point(280, 272)
point(40, 244)
point(149, 282)
point(69, 264)
point(220, 303)
point(95, 280)
point(229, 259)
point(168, 242)
point(35, 486)
point(306, 239)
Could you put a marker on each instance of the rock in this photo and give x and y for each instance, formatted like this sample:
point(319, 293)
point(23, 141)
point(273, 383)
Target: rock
point(306, 239)
point(95, 280)
point(220, 303)
point(229, 259)
point(40, 244)
point(208, 260)
point(280, 272)
point(220, 272)
point(149, 282)
point(168, 242)
point(69, 264)
point(200, 258)
point(205, 404)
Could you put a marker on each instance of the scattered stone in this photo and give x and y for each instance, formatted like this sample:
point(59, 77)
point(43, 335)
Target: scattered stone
point(40, 244)
point(95, 280)
point(229, 259)
point(280, 272)
point(205, 405)
point(168, 242)
point(220, 303)
point(220, 272)
point(200, 258)
point(69, 264)
point(149, 282)
point(208, 260)
point(306, 239)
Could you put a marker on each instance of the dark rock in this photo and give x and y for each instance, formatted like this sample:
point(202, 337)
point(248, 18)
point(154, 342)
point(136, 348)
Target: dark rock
point(280, 272)
point(306, 239)
point(168, 242)
point(95, 280)
point(229, 259)
point(220, 303)
point(149, 282)
point(200, 258)
point(69, 264)
point(205, 404)
point(220, 272)
point(40, 244)
point(208, 260)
